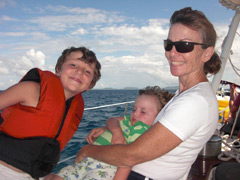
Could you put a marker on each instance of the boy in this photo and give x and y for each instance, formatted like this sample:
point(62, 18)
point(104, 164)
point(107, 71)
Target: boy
point(43, 111)
point(120, 130)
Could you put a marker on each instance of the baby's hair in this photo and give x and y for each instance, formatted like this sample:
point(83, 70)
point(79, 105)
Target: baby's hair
point(162, 95)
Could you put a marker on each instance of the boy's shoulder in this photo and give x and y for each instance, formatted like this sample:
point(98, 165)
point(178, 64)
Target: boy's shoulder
point(35, 74)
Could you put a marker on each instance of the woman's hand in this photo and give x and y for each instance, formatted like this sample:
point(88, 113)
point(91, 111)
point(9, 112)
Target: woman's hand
point(95, 133)
point(80, 155)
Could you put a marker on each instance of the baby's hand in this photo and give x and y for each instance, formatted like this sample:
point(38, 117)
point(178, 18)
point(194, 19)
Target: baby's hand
point(118, 138)
point(94, 134)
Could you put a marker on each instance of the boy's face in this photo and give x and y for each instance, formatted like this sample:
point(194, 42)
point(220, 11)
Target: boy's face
point(75, 75)
point(145, 109)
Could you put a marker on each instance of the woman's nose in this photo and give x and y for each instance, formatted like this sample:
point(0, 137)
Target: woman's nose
point(173, 50)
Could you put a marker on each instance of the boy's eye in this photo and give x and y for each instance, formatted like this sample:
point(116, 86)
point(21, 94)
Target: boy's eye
point(88, 72)
point(73, 65)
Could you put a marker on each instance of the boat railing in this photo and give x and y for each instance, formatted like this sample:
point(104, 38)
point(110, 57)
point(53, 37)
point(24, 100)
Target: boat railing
point(111, 105)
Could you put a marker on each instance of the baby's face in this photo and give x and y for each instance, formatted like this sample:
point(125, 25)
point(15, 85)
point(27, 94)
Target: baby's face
point(145, 109)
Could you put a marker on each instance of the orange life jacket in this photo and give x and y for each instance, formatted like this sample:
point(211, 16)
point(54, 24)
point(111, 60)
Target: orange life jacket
point(44, 121)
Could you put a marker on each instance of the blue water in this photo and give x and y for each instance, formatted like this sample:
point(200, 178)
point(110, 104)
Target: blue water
point(97, 117)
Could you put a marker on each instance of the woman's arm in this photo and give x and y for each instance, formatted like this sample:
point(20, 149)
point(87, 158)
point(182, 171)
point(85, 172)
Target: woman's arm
point(155, 142)
point(234, 108)
point(26, 93)
point(233, 95)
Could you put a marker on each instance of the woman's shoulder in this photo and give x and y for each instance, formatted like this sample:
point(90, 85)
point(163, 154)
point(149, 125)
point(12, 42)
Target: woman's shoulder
point(201, 90)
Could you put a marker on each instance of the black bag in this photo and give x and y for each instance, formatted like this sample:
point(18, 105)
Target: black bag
point(37, 156)
point(47, 158)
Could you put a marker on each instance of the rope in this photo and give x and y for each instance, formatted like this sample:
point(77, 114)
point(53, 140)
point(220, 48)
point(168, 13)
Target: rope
point(234, 67)
point(231, 150)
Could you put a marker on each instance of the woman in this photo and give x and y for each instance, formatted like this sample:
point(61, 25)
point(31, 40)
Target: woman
point(168, 149)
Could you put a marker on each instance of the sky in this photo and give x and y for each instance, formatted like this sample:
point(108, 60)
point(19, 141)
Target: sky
point(126, 35)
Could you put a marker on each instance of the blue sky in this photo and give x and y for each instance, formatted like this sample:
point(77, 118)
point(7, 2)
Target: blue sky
point(127, 37)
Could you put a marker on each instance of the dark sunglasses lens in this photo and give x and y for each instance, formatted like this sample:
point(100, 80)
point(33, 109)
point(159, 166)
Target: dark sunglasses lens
point(184, 47)
point(168, 45)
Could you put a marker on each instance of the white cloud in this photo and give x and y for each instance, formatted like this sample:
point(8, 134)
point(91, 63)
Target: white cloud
point(31, 35)
point(135, 71)
point(80, 31)
point(19, 66)
point(3, 70)
point(90, 14)
point(34, 59)
point(133, 36)
point(7, 18)
point(71, 17)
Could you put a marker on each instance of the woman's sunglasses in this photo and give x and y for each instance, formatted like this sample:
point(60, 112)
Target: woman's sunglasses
point(181, 46)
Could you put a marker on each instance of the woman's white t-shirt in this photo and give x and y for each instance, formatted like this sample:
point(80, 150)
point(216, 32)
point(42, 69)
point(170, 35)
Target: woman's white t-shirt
point(192, 116)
